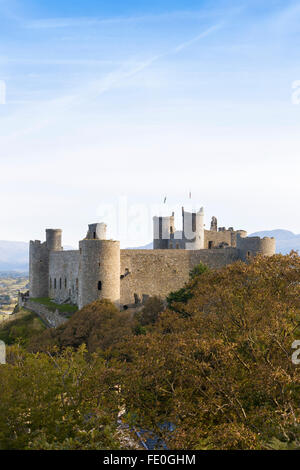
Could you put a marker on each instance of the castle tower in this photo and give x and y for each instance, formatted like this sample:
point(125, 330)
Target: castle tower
point(97, 231)
point(38, 269)
point(39, 262)
point(99, 267)
point(252, 246)
point(193, 229)
point(235, 234)
point(163, 232)
point(53, 239)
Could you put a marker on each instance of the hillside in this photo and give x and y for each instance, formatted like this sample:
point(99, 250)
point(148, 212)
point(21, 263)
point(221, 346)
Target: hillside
point(21, 326)
point(217, 364)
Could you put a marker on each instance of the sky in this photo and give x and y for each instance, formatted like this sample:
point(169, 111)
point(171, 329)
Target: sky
point(109, 107)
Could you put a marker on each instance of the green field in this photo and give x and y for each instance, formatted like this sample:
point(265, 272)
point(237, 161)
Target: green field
point(10, 285)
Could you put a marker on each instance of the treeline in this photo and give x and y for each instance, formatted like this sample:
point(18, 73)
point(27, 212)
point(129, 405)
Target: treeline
point(216, 363)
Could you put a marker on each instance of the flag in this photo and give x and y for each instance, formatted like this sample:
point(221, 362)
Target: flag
point(165, 199)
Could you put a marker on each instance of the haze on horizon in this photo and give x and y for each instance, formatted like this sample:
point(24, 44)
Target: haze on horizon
point(140, 100)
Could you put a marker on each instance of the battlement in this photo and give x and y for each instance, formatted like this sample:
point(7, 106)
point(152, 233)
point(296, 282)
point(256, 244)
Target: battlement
point(101, 270)
point(251, 246)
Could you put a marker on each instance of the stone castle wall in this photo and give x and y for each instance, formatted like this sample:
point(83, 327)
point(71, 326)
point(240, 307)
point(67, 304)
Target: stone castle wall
point(50, 319)
point(251, 246)
point(99, 269)
point(215, 238)
point(63, 276)
point(158, 272)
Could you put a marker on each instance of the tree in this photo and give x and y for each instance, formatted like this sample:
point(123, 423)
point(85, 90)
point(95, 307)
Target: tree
point(176, 300)
point(51, 401)
point(98, 325)
point(198, 270)
point(222, 373)
point(151, 310)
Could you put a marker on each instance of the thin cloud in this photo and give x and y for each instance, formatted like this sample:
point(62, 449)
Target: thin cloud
point(95, 89)
point(205, 33)
point(29, 61)
point(52, 23)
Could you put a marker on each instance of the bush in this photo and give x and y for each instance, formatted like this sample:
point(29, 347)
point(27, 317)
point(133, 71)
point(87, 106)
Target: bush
point(57, 402)
point(175, 299)
point(151, 310)
point(23, 326)
point(98, 325)
point(198, 270)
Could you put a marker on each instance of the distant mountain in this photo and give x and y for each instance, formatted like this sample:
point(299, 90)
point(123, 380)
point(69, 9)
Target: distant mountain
point(13, 256)
point(286, 241)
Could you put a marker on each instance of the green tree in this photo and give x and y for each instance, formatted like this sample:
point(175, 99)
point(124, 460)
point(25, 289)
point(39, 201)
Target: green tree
point(98, 325)
point(151, 310)
point(177, 299)
point(198, 270)
point(51, 401)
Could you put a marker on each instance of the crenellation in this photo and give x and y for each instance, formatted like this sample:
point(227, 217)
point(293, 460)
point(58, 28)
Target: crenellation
point(99, 269)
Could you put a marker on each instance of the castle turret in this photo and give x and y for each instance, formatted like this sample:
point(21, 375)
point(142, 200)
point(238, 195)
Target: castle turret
point(38, 269)
point(99, 268)
point(163, 232)
point(39, 262)
point(97, 231)
point(252, 246)
point(193, 229)
point(53, 239)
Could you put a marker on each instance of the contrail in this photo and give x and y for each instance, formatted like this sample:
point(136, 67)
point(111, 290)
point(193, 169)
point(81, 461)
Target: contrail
point(186, 44)
point(147, 63)
point(98, 88)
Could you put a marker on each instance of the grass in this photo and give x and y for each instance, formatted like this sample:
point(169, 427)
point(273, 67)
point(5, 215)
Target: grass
point(62, 308)
point(21, 327)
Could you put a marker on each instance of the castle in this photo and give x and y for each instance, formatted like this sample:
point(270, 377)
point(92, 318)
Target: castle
point(100, 269)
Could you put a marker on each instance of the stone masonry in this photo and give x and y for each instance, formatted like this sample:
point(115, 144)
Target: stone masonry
point(100, 269)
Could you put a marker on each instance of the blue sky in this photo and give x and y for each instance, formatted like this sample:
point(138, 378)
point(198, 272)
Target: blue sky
point(138, 100)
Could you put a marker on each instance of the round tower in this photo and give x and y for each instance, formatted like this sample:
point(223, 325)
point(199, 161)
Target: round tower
point(99, 271)
point(193, 229)
point(38, 269)
point(234, 234)
point(97, 231)
point(53, 239)
point(163, 232)
point(252, 246)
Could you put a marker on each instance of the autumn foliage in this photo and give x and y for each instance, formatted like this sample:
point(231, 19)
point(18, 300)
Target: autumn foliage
point(222, 372)
point(218, 366)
